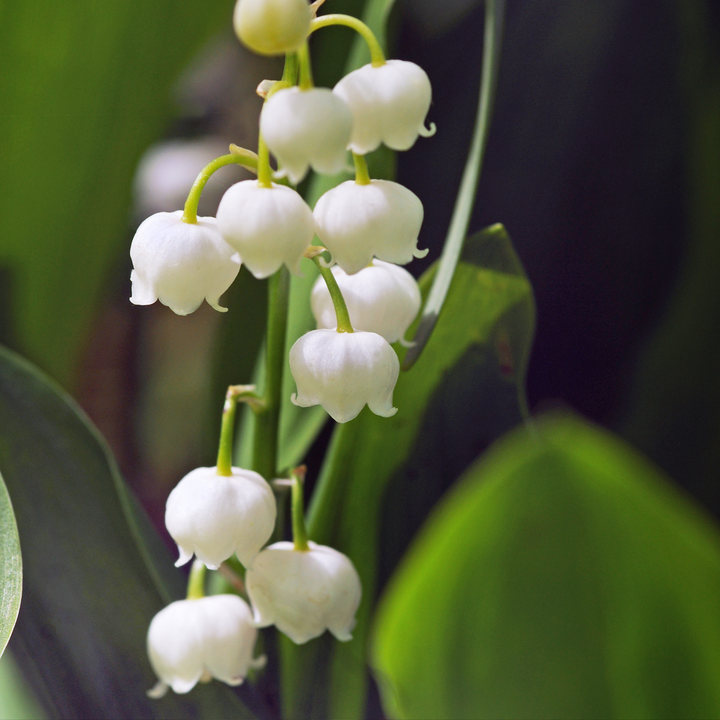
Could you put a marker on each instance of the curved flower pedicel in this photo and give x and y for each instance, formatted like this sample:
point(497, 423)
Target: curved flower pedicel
point(303, 592)
point(307, 127)
point(389, 103)
point(382, 298)
point(199, 639)
point(343, 372)
point(381, 218)
point(215, 515)
point(181, 264)
point(268, 226)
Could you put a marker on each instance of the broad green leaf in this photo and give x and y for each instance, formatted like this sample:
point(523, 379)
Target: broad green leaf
point(482, 341)
point(90, 591)
point(10, 568)
point(85, 88)
point(563, 577)
point(465, 200)
point(16, 699)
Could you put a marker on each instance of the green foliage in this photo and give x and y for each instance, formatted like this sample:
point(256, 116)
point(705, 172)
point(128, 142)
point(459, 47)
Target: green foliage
point(481, 341)
point(10, 568)
point(91, 588)
point(85, 89)
point(564, 577)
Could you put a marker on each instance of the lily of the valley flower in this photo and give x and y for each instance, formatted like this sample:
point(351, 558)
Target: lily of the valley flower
point(272, 27)
point(268, 226)
point(307, 127)
point(215, 516)
point(382, 298)
point(304, 592)
point(196, 640)
point(181, 264)
point(343, 372)
point(389, 104)
point(356, 221)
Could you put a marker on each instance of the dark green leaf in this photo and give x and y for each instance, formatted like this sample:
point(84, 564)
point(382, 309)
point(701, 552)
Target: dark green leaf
point(85, 88)
point(10, 568)
point(476, 356)
point(90, 592)
point(564, 577)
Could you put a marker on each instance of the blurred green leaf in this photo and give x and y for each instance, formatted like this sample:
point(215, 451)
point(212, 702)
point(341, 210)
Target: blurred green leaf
point(564, 577)
point(90, 591)
point(16, 699)
point(483, 337)
point(85, 88)
point(10, 568)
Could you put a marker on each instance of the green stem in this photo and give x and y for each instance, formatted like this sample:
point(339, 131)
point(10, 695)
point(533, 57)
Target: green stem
point(227, 428)
point(362, 174)
point(239, 156)
point(196, 581)
point(377, 56)
point(264, 169)
point(300, 538)
point(341, 311)
point(465, 201)
point(267, 420)
point(290, 69)
point(303, 56)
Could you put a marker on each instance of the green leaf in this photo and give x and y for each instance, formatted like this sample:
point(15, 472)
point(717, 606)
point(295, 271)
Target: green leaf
point(563, 577)
point(90, 589)
point(477, 355)
point(465, 200)
point(86, 89)
point(10, 568)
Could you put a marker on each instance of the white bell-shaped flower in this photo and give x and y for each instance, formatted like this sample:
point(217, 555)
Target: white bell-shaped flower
point(303, 592)
point(382, 218)
point(181, 264)
point(307, 127)
point(196, 640)
point(389, 104)
point(382, 298)
point(343, 372)
point(272, 27)
point(267, 226)
point(214, 516)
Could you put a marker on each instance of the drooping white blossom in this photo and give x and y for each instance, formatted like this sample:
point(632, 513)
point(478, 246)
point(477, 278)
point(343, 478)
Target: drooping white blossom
point(272, 27)
point(196, 640)
point(389, 104)
point(181, 264)
point(356, 222)
point(214, 516)
point(267, 226)
point(304, 592)
point(307, 127)
point(343, 372)
point(382, 298)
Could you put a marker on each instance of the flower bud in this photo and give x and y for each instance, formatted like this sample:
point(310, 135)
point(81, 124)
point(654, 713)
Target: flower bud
point(355, 222)
point(307, 127)
point(389, 104)
point(304, 592)
point(272, 27)
point(181, 263)
point(382, 298)
point(343, 372)
point(196, 640)
point(215, 516)
point(267, 226)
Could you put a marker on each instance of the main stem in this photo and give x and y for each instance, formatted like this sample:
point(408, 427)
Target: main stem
point(267, 420)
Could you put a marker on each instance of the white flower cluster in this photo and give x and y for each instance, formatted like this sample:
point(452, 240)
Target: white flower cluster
point(370, 228)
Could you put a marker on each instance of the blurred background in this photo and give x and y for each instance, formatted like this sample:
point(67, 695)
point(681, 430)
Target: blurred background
point(603, 163)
